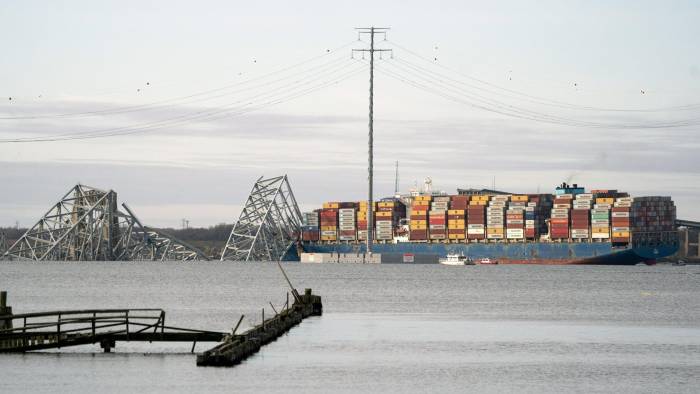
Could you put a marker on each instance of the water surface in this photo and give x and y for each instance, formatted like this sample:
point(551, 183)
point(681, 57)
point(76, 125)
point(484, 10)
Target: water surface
point(385, 328)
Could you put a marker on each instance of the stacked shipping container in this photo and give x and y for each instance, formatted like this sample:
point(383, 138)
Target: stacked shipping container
point(419, 218)
point(476, 217)
point(649, 214)
point(600, 215)
point(515, 218)
point(559, 218)
point(347, 224)
point(329, 221)
point(310, 226)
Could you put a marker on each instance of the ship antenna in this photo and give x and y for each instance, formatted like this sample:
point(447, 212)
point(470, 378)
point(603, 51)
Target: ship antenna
point(396, 179)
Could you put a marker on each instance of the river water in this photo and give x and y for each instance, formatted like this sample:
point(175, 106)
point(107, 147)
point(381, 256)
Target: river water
point(385, 328)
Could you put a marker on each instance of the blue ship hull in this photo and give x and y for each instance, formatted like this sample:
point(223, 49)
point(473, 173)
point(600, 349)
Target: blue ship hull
point(603, 253)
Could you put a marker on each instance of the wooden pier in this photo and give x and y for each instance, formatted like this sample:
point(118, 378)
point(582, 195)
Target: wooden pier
point(59, 329)
point(237, 348)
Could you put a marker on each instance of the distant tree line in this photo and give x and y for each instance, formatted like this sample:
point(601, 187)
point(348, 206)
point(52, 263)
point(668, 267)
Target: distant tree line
point(220, 232)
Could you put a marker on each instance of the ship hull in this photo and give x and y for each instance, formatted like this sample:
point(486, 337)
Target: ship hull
point(599, 253)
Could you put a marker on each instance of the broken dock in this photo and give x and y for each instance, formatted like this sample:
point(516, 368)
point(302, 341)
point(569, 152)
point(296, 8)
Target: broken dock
point(60, 329)
point(236, 348)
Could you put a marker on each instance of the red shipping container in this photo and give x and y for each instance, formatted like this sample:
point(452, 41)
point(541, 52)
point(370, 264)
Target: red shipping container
point(559, 221)
point(419, 208)
point(476, 236)
point(418, 235)
point(620, 209)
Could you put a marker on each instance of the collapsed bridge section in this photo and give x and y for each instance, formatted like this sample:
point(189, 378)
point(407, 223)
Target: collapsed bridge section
point(269, 224)
point(87, 225)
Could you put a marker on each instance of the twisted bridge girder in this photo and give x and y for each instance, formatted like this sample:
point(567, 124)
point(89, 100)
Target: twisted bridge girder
point(85, 225)
point(268, 225)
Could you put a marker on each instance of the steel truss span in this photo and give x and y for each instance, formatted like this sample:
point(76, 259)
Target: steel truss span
point(86, 225)
point(268, 225)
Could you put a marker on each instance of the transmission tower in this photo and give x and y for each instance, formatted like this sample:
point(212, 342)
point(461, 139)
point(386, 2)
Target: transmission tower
point(268, 225)
point(372, 31)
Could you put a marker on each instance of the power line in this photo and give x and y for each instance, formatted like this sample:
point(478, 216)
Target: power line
point(492, 105)
point(541, 100)
point(162, 103)
point(274, 97)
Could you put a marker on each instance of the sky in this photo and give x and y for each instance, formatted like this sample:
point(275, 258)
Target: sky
point(559, 58)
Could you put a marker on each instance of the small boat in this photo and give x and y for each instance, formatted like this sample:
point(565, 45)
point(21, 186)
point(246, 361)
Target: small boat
point(487, 261)
point(456, 259)
point(679, 263)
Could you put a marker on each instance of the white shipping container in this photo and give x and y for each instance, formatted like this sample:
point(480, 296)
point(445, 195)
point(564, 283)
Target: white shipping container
point(598, 210)
point(500, 198)
point(529, 226)
point(560, 210)
point(562, 205)
point(515, 221)
point(600, 221)
point(619, 229)
point(531, 204)
point(475, 231)
point(625, 199)
point(494, 236)
point(600, 235)
point(580, 236)
point(560, 216)
point(328, 232)
point(475, 226)
point(584, 196)
point(566, 195)
point(623, 204)
point(579, 231)
point(347, 228)
point(620, 214)
point(437, 227)
point(602, 206)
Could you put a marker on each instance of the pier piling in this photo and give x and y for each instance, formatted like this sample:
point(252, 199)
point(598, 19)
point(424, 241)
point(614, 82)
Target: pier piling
point(236, 348)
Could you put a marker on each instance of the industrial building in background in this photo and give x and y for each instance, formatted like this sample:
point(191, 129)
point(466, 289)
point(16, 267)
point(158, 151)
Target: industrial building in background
point(86, 225)
point(268, 226)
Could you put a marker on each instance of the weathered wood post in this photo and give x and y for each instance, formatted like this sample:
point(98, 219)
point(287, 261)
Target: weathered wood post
point(5, 310)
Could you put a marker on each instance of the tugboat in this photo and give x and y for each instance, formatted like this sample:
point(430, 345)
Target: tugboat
point(456, 259)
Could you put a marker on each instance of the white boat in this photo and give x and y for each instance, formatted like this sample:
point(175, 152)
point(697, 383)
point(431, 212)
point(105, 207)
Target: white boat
point(456, 259)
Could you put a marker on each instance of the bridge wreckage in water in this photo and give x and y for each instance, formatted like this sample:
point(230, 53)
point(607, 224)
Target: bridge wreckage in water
point(86, 224)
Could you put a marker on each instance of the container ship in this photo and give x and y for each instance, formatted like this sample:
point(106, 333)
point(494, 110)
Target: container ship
point(570, 226)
